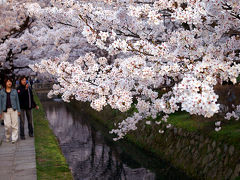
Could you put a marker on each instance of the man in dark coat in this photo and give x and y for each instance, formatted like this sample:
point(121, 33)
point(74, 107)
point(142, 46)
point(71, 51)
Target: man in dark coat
point(26, 104)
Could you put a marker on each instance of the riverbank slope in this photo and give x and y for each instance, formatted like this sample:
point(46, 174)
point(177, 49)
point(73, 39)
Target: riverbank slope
point(51, 164)
point(201, 155)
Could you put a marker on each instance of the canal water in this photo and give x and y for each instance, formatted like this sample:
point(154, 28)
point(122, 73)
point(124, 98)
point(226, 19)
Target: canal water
point(91, 153)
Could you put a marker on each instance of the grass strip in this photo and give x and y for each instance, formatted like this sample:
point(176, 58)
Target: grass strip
point(51, 164)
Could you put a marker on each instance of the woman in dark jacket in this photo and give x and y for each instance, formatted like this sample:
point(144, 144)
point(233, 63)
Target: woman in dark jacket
point(26, 104)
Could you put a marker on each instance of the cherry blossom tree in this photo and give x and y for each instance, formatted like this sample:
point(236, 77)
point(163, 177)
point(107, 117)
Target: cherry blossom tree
point(13, 22)
point(26, 40)
point(180, 47)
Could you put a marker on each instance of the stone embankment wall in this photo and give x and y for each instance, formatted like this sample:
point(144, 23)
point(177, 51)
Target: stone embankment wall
point(197, 155)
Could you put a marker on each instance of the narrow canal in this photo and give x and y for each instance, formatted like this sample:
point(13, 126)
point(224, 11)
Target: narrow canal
point(91, 153)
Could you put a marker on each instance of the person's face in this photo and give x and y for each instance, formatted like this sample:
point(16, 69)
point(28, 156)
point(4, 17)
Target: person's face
point(8, 84)
point(24, 81)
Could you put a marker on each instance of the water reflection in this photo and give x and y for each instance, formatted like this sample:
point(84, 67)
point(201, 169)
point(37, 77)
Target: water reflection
point(91, 156)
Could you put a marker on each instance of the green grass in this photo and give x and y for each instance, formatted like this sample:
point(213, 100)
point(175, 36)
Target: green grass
point(184, 120)
point(230, 133)
point(51, 164)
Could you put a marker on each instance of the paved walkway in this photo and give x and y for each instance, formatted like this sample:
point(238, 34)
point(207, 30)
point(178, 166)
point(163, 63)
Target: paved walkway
point(17, 161)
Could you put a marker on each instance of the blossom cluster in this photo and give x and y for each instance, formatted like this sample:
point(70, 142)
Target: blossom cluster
point(234, 114)
point(26, 40)
point(184, 46)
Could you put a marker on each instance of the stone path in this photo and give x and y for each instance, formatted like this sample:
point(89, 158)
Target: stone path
point(17, 161)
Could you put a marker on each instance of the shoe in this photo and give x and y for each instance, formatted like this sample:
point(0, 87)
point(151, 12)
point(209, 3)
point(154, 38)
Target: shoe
point(30, 135)
point(2, 123)
point(7, 140)
point(22, 137)
point(13, 142)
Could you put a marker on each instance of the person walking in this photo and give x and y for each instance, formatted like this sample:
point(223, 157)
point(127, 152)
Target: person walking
point(10, 110)
point(26, 104)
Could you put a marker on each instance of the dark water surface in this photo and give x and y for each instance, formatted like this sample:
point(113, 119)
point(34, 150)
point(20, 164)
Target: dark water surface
point(91, 153)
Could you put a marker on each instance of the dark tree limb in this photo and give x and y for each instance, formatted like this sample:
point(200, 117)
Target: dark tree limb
point(16, 32)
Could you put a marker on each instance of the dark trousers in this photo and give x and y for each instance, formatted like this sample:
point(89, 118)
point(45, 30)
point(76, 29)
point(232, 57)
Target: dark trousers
point(28, 113)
